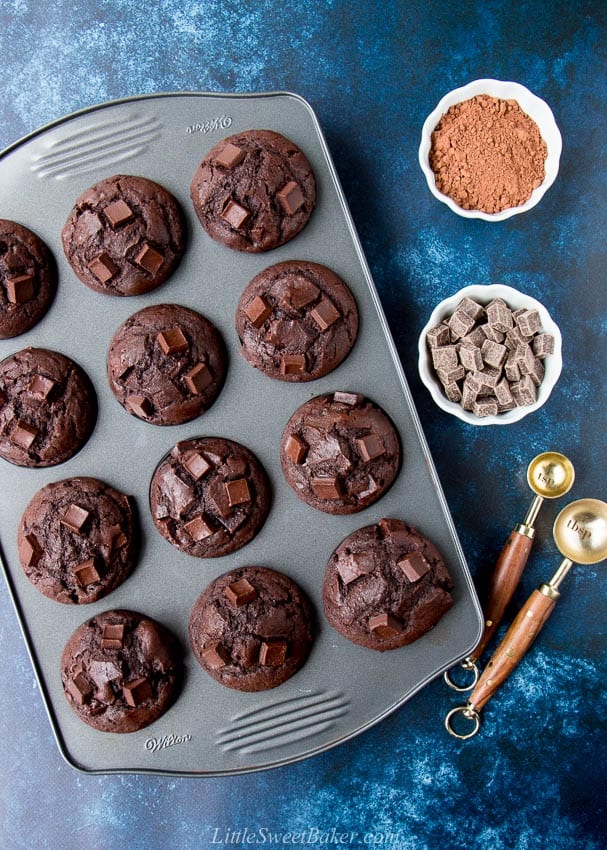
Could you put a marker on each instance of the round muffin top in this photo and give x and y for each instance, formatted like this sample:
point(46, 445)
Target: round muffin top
point(209, 496)
point(166, 364)
point(48, 408)
point(28, 279)
point(251, 629)
point(254, 191)
point(76, 540)
point(297, 321)
point(386, 585)
point(339, 452)
point(124, 236)
point(121, 671)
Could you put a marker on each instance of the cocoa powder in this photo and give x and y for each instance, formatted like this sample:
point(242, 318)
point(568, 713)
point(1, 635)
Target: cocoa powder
point(487, 154)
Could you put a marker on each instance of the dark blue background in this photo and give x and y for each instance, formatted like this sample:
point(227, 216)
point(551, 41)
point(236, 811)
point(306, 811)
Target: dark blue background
point(536, 775)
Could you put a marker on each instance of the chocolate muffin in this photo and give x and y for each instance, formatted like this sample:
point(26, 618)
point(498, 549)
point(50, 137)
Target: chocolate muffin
point(124, 236)
point(76, 540)
point(48, 408)
point(28, 279)
point(121, 671)
point(166, 364)
point(339, 452)
point(209, 496)
point(254, 191)
point(385, 586)
point(296, 321)
point(251, 629)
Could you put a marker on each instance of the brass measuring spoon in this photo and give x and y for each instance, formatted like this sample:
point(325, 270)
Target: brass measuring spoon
point(550, 475)
point(580, 534)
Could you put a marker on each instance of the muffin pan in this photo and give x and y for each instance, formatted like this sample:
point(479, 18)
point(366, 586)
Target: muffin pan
point(342, 689)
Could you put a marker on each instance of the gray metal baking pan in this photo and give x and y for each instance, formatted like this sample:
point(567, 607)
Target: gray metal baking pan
point(343, 689)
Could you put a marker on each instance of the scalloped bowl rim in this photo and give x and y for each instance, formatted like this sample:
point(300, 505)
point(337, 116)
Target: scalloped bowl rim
point(534, 106)
point(484, 293)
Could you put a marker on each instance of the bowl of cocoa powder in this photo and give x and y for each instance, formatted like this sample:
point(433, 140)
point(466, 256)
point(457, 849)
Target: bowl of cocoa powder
point(490, 150)
point(490, 354)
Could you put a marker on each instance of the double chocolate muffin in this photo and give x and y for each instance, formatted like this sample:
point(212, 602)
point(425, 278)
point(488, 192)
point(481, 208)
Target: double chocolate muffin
point(251, 629)
point(385, 586)
point(48, 408)
point(124, 236)
point(339, 452)
point(76, 540)
point(121, 671)
point(28, 279)
point(209, 496)
point(166, 364)
point(296, 321)
point(254, 191)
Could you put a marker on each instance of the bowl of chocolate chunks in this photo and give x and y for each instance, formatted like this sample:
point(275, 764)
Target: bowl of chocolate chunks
point(490, 354)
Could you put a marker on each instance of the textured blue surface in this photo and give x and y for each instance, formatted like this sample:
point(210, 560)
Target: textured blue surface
point(536, 775)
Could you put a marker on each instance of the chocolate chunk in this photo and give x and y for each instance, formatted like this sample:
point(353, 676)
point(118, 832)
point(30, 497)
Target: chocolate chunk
point(117, 213)
point(235, 215)
point(230, 156)
point(41, 386)
point(80, 689)
point(273, 653)
point(86, 572)
point(23, 434)
point(470, 356)
point(199, 528)
point(215, 655)
point(291, 197)
point(296, 449)
point(137, 691)
point(460, 323)
point(241, 592)
point(528, 322)
point(493, 353)
point(197, 465)
point(326, 488)
point(385, 626)
point(180, 494)
point(118, 538)
point(139, 405)
point(438, 336)
point(351, 399)
point(394, 530)
point(370, 446)
point(103, 267)
point(445, 357)
point(299, 293)
point(543, 345)
point(75, 518)
point(325, 313)
point(499, 315)
point(20, 289)
point(149, 259)
point(198, 378)
point(258, 311)
point(292, 364)
point(112, 636)
point(173, 341)
point(238, 492)
point(414, 566)
point(484, 407)
point(357, 564)
point(30, 550)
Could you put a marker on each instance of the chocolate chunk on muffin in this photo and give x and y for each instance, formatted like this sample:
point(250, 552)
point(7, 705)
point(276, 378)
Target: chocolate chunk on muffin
point(48, 408)
point(166, 364)
point(254, 191)
point(340, 452)
point(124, 236)
point(385, 586)
point(209, 496)
point(251, 629)
point(121, 671)
point(28, 279)
point(297, 321)
point(76, 540)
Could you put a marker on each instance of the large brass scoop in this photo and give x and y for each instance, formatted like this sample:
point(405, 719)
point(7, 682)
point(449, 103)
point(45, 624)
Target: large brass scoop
point(580, 533)
point(550, 475)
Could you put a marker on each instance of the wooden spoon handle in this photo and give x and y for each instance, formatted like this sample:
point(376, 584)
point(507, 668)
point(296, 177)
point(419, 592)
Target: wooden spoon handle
point(517, 640)
point(504, 581)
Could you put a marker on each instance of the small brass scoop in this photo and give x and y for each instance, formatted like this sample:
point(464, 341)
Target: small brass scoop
point(580, 533)
point(550, 475)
